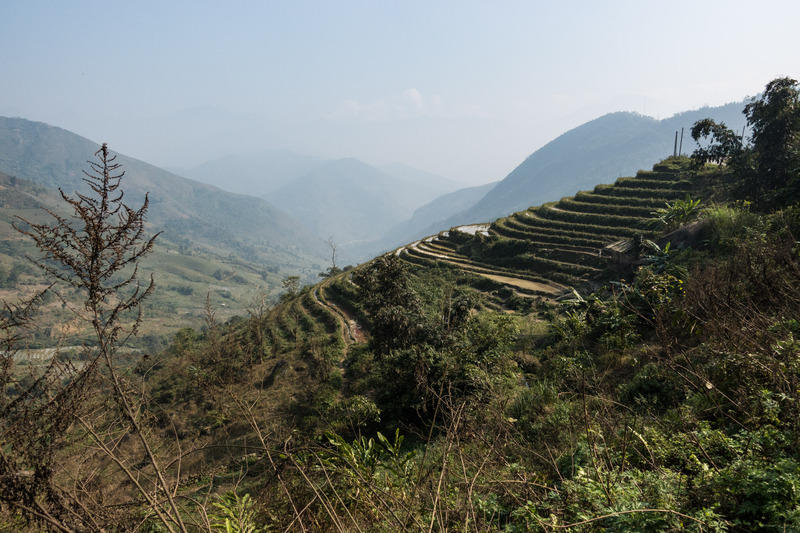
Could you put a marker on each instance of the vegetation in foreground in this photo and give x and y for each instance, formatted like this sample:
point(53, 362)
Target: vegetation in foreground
point(665, 400)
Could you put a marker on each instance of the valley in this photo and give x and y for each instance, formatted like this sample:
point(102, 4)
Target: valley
point(624, 358)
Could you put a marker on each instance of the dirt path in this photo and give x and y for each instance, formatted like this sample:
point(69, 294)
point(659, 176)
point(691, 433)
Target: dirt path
point(545, 289)
point(351, 330)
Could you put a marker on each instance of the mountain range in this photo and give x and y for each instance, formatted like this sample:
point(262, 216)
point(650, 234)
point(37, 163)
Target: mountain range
point(280, 207)
point(182, 208)
point(346, 199)
point(614, 145)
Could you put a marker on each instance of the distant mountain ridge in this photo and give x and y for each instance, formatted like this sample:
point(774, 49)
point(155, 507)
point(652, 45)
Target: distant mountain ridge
point(616, 144)
point(364, 208)
point(354, 202)
point(254, 174)
point(182, 208)
point(346, 199)
point(429, 185)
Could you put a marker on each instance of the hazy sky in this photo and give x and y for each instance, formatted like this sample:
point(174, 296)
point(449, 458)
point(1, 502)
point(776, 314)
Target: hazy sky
point(466, 89)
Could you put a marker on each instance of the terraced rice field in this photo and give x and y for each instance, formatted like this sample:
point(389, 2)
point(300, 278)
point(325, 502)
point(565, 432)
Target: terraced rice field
point(302, 321)
point(545, 250)
point(536, 254)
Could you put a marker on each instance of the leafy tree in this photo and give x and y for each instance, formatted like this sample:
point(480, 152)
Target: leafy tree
point(722, 142)
point(774, 120)
point(768, 170)
point(292, 285)
point(678, 213)
point(395, 310)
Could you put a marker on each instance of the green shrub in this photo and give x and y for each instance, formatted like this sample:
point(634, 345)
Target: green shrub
point(651, 390)
point(677, 214)
point(728, 224)
point(234, 514)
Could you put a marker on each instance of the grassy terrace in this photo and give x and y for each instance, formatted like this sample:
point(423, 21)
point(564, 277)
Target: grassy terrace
point(424, 250)
point(639, 183)
point(522, 283)
point(320, 315)
point(639, 192)
point(558, 244)
point(593, 197)
point(521, 272)
point(612, 222)
point(632, 211)
point(502, 228)
point(538, 221)
point(294, 325)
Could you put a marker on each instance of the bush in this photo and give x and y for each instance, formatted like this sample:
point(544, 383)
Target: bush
point(728, 224)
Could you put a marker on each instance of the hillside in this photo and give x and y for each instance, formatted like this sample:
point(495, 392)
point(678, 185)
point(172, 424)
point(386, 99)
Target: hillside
point(306, 187)
point(254, 174)
point(448, 368)
point(234, 249)
point(622, 359)
point(614, 145)
point(182, 208)
point(372, 383)
point(187, 274)
point(350, 200)
point(545, 251)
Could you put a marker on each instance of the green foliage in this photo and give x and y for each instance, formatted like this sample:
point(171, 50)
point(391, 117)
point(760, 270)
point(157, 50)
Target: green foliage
point(652, 390)
point(768, 170)
point(728, 225)
point(234, 514)
point(540, 415)
point(594, 321)
point(365, 468)
point(394, 310)
point(774, 120)
point(291, 284)
point(354, 413)
point(665, 401)
point(677, 214)
point(368, 458)
point(723, 143)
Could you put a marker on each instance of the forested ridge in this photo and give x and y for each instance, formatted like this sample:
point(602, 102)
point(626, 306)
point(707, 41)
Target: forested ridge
point(625, 359)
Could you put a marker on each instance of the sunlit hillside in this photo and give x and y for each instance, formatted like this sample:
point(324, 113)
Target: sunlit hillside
point(624, 358)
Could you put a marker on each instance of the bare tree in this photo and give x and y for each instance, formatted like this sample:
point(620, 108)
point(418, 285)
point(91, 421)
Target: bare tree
point(333, 269)
point(333, 247)
point(96, 251)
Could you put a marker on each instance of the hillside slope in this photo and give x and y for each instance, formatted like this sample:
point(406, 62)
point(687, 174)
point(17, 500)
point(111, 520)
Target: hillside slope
point(254, 174)
point(348, 199)
point(188, 275)
point(617, 144)
point(543, 251)
point(182, 208)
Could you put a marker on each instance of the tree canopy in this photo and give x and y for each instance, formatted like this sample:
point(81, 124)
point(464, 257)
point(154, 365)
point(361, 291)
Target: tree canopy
point(768, 165)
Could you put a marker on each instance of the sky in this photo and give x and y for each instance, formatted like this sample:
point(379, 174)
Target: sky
point(466, 89)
